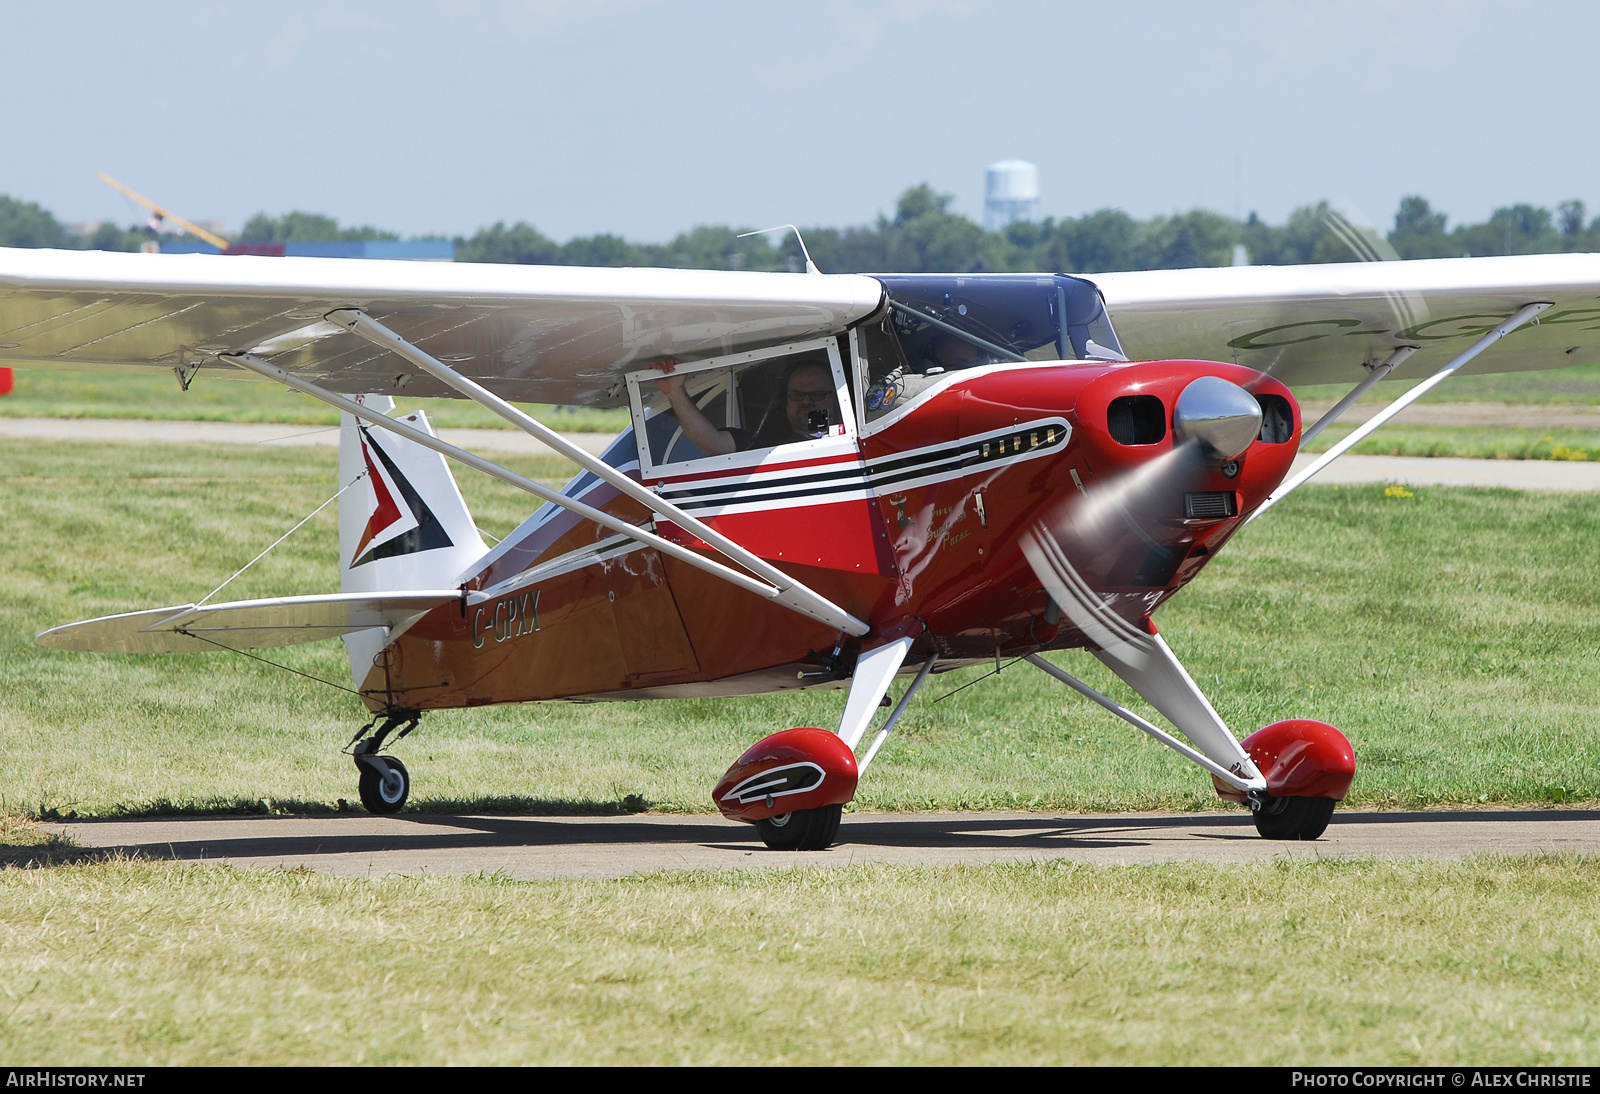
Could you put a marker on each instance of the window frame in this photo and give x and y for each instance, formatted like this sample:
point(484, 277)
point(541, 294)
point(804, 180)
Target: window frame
point(843, 382)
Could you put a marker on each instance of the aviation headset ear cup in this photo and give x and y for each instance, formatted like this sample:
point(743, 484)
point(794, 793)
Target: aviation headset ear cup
point(802, 830)
point(384, 793)
point(1293, 818)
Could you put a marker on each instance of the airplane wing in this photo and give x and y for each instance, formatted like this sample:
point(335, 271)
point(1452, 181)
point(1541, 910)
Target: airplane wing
point(561, 334)
point(1320, 324)
point(245, 624)
point(549, 334)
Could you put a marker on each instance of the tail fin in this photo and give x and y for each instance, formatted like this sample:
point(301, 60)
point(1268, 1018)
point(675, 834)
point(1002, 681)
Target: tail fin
point(404, 526)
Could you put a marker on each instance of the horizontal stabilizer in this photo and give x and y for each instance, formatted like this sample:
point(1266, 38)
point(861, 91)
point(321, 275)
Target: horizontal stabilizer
point(246, 624)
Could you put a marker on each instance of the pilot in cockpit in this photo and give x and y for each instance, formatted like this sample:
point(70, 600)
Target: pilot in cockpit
point(806, 407)
point(949, 353)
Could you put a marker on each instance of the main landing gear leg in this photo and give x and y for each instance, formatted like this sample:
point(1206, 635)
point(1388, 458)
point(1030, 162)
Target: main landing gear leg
point(793, 785)
point(384, 782)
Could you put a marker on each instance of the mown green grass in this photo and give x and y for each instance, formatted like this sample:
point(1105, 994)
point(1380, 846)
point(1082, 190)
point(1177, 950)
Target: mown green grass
point(46, 393)
point(1453, 634)
point(1470, 442)
point(1486, 961)
point(1575, 386)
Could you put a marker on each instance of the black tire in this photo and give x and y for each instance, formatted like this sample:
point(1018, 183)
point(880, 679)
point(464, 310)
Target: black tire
point(386, 793)
point(802, 830)
point(1293, 818)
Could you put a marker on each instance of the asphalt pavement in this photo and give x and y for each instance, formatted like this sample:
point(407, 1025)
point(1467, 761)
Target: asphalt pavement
point(546, 848)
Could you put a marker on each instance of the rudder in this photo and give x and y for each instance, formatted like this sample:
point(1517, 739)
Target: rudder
point(403, 526)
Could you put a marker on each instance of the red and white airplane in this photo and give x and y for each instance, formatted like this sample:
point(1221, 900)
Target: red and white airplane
point(830, 480)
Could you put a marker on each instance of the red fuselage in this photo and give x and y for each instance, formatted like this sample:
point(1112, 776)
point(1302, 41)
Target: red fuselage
point(919, 531)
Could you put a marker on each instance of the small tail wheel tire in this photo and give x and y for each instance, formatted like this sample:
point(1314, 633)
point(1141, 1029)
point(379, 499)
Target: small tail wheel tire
point(1293, 818)
point(384, 792)
point(802, 830)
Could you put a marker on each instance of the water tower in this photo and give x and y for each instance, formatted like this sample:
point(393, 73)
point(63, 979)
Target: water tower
point(1010, 193)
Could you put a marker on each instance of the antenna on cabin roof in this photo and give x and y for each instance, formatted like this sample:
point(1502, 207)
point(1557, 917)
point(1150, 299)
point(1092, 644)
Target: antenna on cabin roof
point(811, 267)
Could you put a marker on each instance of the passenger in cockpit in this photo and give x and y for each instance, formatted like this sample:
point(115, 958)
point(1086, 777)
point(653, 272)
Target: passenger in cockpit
point(807, 407)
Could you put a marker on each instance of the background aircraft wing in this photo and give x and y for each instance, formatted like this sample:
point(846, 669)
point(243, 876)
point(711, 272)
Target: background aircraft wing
point(246, 624)
point(548, 334)
point(1320, 324)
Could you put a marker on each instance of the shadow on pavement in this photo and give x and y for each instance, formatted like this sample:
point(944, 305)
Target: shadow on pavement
point(274, 837)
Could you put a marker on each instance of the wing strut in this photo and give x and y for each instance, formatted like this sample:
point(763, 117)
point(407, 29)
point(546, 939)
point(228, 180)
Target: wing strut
point(1376, 373)
point(1523, 315)
point(790, 593)
point(823, 612)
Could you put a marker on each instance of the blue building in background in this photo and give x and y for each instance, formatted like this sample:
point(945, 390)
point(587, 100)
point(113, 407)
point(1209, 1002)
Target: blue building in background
point(415, 250)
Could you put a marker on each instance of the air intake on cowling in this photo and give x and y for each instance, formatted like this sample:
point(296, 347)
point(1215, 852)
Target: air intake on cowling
point(1211, 505)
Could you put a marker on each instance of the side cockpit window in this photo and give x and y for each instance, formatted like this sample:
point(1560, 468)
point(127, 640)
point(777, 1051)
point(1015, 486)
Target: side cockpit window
point(752, 403)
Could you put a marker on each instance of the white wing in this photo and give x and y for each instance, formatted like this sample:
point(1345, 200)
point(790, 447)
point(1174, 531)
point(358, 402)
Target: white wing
point(552, 334)
point(1319, 324)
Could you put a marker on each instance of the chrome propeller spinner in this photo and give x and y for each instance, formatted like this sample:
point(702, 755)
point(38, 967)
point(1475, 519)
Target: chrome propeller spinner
point(1221, 417)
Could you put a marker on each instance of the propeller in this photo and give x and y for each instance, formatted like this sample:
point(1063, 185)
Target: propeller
point(1092, 534)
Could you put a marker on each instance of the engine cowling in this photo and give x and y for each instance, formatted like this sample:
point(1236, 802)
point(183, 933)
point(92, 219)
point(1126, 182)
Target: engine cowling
point(788, 771)
point(1300, 758)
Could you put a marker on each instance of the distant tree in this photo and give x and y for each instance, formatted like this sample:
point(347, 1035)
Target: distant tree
point(1100, 242)
point(1570, 220)
point(302, 227)
point(920, 201)
point(1510, 230)
point(720, 248)
point(852, 250)
point(603, 250)
point(925, 236)
point(28, 224)
point(521, 242)
point(1419, 232)
point(1184, 241)
point(108, 237)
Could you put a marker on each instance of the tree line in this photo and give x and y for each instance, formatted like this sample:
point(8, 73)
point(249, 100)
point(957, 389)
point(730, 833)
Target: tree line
point(924, 236)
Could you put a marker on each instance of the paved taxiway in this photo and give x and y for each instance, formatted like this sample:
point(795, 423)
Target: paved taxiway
point(540, 848)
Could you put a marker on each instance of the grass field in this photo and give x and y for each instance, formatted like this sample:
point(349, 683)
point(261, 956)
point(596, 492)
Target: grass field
point(1470, 442)
point(1575, 386)
point(1451, 633)
point(1491, 961)
point(45, 393)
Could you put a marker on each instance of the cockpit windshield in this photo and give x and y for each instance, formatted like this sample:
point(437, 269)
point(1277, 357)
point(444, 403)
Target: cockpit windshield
point(940, 323)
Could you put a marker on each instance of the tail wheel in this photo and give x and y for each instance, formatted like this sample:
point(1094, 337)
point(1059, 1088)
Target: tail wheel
point(385, 790)
point(802, 830)
point(1293, 818)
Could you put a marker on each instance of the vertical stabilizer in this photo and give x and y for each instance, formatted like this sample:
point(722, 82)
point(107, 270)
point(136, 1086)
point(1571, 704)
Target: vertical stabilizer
point(403, 526)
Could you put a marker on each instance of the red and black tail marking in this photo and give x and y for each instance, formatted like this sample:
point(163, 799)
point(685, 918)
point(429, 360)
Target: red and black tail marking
point(428, 535)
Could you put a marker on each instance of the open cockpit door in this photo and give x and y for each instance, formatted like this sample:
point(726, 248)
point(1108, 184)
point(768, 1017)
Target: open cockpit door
point(788, 482)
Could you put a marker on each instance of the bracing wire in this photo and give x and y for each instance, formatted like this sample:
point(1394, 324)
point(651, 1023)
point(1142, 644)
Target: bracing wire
point(274, 664)
point(979, 680)
point(280, 539)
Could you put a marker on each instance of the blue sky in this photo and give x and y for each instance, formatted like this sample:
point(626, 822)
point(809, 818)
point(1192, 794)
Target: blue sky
point(645, 118)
